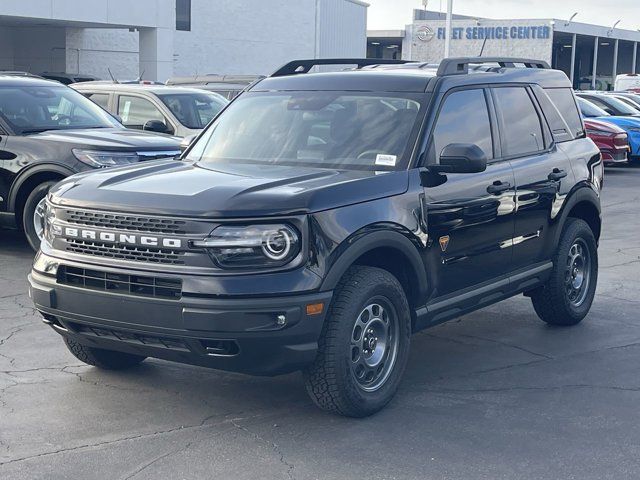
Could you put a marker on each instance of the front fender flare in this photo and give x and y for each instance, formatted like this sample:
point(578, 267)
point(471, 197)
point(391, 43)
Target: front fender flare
point(370, 241)
point(25, 175)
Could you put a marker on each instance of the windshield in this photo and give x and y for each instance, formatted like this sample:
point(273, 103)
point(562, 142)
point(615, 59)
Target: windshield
point(321, 129)
point(33, 109)
point(194, 110)
point(588, 109)
point(632, 102)
point(621, 107)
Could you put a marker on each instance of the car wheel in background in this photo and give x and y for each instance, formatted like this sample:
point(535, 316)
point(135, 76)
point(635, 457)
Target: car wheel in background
point(33, 214)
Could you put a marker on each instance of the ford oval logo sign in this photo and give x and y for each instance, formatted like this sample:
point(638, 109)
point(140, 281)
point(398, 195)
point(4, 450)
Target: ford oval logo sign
point(425, 33)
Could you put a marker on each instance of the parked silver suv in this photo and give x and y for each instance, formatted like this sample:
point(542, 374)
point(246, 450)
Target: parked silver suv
point(172, 110)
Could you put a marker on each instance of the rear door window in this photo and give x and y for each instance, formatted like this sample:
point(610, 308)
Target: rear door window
point(565, 102)
point(521, 130)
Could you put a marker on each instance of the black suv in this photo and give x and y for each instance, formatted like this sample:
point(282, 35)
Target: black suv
point(322, 218)
point(48, 132)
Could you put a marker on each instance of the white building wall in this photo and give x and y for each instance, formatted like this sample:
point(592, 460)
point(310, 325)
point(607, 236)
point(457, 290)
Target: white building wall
point(95, 51)
point(244, 36)
point(342, 29)
point(226, 37)
point(232, 37)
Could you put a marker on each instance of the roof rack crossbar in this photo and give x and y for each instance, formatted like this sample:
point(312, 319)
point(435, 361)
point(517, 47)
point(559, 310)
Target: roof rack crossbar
point(304, 66)
point(460, 66)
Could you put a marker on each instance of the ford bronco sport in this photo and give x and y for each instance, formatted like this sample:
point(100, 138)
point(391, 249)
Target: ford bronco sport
point(322, 218)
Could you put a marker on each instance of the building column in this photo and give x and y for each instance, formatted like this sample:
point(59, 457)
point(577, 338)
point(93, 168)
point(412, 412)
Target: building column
point(596, 42)
point(635, 56)
point(615, 61)
point(573, 58)
point(156, 53)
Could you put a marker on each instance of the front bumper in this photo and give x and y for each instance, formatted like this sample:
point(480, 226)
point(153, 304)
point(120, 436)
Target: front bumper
point(611, 156)
point(235, 334)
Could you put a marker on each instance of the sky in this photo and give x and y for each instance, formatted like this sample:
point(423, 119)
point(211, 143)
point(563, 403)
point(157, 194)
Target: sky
point(395, 14)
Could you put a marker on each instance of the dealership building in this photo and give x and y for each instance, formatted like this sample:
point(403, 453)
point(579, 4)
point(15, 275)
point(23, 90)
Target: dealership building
point(591, 55)
point(162, 38)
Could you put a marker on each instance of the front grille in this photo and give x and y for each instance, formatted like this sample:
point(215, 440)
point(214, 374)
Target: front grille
point(125, 222)
point(120, 283)
point(124, 252)
point(134, 338)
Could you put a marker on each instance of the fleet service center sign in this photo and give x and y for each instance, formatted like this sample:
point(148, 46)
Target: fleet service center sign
point(491, 38)
point(515, 32)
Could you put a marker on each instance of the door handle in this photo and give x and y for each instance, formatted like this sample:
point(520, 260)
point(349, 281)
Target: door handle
point(557, 174)
point(498, 187)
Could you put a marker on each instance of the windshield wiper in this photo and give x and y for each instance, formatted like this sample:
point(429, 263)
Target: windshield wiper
point(35, 130)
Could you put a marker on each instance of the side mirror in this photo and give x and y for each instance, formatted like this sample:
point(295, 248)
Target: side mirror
point(186, 142)
point(460, 158)
point(156, 126)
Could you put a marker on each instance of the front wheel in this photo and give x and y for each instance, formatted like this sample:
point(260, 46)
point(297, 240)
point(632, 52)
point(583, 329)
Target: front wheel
point(364, 345)
point(33, 214)
point(565, 299)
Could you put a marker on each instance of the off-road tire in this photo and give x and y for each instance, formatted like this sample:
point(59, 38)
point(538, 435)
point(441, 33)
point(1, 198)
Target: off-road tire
point(551, 301)
point(329, 381)
point(105, 359)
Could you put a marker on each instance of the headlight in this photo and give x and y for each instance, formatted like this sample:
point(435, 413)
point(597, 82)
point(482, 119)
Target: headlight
point(98, 159)
point(252, 246)
point(51, 229)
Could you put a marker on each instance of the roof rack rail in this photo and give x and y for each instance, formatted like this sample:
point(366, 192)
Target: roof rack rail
point(303, 66)
point(460, 66)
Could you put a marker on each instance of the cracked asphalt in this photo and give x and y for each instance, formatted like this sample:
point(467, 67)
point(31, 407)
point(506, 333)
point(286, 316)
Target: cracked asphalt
point(495, 395)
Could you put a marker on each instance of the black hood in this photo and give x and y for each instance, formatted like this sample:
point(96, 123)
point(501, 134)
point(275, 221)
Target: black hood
point(110, 139)
point(196, 190)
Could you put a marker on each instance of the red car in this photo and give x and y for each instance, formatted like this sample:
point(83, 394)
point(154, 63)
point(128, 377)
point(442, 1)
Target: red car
point(610, 139)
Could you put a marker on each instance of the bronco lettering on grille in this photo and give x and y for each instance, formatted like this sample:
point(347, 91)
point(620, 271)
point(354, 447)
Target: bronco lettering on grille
point(122, 238)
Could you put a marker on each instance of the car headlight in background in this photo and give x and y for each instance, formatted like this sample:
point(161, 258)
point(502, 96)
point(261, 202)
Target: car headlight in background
point(98, 159)
point(51, 229)
point(252, 246)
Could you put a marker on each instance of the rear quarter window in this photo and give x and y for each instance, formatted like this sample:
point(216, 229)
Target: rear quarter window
point(565, 102)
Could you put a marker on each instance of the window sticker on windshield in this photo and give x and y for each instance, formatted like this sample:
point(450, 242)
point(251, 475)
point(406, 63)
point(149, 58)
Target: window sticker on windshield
point(386, 160)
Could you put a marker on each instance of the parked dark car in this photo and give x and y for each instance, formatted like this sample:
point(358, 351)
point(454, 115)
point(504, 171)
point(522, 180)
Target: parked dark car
point(49, 131)
point(612, 141)
point(322, 218)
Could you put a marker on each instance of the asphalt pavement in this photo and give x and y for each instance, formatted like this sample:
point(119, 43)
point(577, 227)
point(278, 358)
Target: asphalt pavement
point(496, 394)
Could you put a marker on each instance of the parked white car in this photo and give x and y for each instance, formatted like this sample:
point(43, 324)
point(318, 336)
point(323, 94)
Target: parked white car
point(627, 81)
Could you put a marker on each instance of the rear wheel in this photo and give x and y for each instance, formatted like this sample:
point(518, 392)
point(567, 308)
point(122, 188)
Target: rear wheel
point(566, 297)
point(105, 359)
point(33, 214)
point(364, 346)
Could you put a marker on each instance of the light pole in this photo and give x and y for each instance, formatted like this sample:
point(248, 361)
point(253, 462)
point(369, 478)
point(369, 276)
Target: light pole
point(447, 29)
